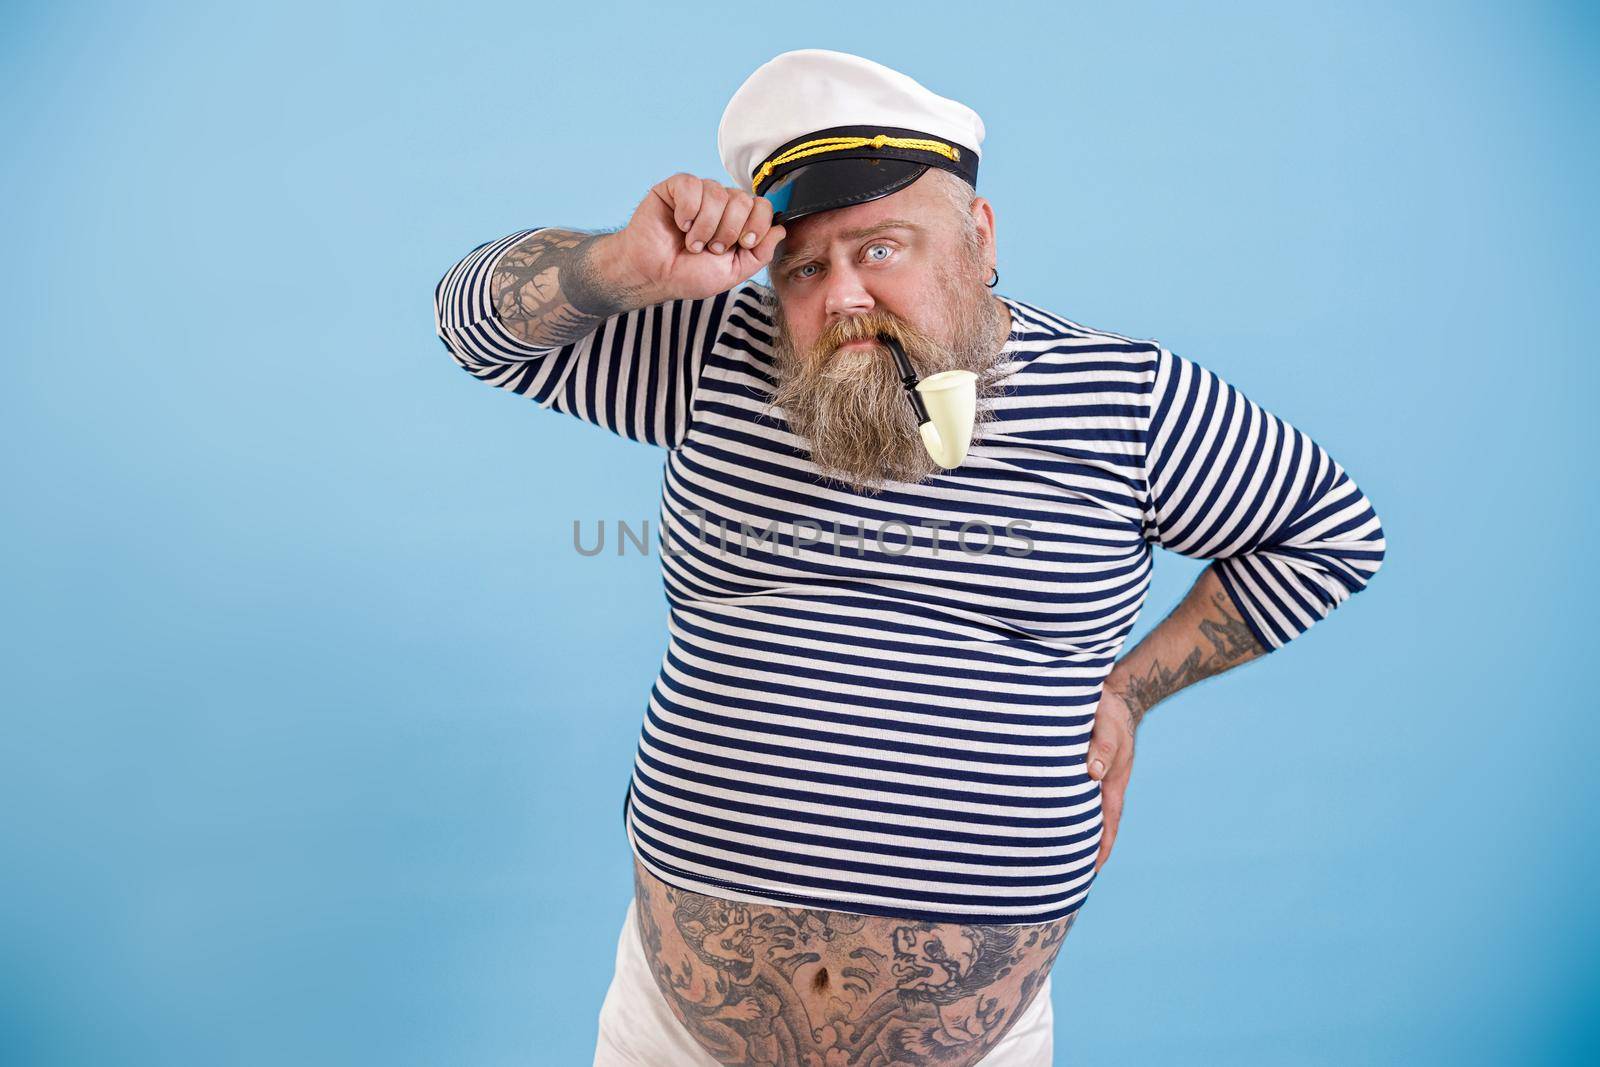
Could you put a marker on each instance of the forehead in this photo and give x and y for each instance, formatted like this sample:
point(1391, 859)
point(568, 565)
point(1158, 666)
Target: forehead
point(918, 204)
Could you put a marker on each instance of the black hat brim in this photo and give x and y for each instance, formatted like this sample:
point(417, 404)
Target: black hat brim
point(834, 183)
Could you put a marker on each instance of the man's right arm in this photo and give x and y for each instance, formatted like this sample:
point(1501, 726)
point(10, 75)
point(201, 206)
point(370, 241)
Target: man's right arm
point(611, 327)
point(555, 286)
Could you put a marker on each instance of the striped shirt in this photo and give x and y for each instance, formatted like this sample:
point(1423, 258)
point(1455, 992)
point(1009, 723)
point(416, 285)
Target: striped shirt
point(882, 705)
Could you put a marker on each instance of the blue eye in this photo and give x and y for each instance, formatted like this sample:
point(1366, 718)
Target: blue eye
point(798, 273)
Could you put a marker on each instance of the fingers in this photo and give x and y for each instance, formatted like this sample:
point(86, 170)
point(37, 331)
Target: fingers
point(1104, 744)
point(1112, 737)
point(683, 192)
point(1110, 815)
point(768, 246)
point(1109, 761)
point(731, 228)
point(759, 224)
point(1108, 835)
point(1112, 792)
point(713, 198)
point(718, 218)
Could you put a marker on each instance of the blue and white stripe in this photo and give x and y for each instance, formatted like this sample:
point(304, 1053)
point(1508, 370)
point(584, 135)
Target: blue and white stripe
point(898, 726)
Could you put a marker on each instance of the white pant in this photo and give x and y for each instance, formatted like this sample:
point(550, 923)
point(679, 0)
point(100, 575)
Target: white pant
point(638, 1029)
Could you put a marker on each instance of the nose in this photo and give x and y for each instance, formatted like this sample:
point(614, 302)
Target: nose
point(846, 295)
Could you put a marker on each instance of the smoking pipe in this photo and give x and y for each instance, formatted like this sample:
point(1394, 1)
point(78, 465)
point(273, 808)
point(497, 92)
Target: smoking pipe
point(945, 405)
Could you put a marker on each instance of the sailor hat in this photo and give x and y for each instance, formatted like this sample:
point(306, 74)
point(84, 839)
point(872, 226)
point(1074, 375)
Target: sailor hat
point(812, 130)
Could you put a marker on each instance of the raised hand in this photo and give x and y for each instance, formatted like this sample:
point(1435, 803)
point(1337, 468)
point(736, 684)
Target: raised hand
point(691, 237)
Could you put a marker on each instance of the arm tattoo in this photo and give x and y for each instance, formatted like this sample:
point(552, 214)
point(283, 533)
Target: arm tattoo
point(548, 290)
point(759, 985)
point(1231, 641)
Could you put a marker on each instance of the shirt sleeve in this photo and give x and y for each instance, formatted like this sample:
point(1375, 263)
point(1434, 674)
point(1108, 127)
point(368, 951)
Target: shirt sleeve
point(1292, 536)
point(634, 374)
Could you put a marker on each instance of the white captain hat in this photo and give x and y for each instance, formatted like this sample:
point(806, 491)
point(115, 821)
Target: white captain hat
point(812, 130)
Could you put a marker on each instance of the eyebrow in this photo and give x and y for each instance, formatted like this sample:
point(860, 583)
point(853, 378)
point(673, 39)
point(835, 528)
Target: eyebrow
point(789, 257)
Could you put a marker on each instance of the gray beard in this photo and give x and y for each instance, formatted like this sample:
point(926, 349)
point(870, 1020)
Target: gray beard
point(851, 407)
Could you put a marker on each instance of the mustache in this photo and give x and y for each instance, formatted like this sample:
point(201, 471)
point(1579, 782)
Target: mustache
point(921, 349)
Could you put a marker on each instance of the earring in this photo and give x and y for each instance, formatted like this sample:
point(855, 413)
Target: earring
point(991, 283)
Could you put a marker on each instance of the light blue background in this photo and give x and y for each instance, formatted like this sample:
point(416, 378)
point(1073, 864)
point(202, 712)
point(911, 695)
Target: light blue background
point(316, 727)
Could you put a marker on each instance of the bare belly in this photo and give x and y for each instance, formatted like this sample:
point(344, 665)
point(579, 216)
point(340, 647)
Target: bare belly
point(757, 984)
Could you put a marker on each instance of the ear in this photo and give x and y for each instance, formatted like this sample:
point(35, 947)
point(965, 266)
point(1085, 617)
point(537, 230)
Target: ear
point(983, 215)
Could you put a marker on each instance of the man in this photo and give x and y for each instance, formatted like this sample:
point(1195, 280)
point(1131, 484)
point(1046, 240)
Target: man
point(887, 750)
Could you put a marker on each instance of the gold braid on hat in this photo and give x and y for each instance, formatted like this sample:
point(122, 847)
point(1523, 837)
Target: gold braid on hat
point(836, 144)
